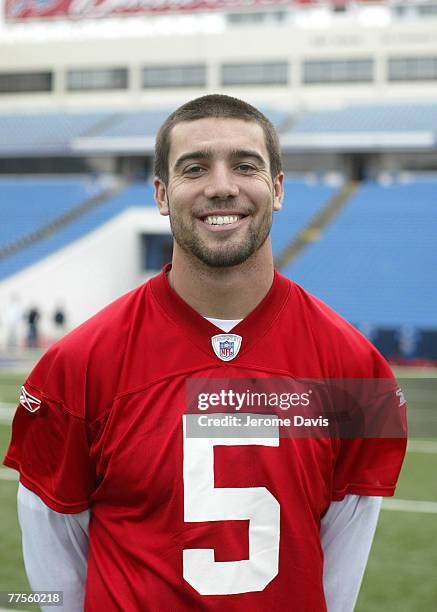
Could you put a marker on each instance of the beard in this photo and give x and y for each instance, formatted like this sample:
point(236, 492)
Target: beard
point(226, 253)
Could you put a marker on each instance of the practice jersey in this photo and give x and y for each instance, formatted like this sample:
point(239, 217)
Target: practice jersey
point(181, 522)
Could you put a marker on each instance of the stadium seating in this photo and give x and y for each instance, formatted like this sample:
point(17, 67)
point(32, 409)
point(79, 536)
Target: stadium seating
point(377, 260)
point(45, 134)
point(57, 133)
point(135, 124)
point(28, 204)
point(137, 194)
point(302, 201)
point(370, 263)
point(143, 124)
point(369, 118)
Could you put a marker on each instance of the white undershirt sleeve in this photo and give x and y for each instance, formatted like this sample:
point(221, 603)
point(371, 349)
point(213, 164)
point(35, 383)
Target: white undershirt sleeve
point(347, 531)
point(55, 549)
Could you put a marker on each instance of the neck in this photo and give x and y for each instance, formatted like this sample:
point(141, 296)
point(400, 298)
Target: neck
point(222, 293)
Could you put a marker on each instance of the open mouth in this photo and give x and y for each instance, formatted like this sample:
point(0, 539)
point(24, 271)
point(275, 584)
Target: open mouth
point(222, 219)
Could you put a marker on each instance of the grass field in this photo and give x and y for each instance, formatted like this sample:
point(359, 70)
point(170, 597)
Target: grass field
point(402, 572)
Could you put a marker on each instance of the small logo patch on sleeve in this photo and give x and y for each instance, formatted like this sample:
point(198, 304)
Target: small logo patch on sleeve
point(28, 401)
point(401, 397)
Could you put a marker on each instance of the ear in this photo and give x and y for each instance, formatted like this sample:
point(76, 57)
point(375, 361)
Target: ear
point(278, 191)
point(161, 197)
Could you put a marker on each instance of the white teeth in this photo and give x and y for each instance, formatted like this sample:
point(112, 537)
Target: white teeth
point(221, 220)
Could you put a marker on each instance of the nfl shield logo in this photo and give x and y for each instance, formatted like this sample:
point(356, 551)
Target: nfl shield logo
point(226, 349)
point(226, 346)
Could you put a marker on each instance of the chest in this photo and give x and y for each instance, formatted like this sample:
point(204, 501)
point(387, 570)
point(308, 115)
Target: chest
point(148, 457)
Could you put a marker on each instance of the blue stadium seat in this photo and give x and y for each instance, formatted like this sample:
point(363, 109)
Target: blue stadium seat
point(302, 201)
point(28, 204)
point(35, 202)
point(138, 194)
point(377, 260)
point(369, 118)
point(140, 124)
point(49, 133)
point(134, 124)
point(55, 133)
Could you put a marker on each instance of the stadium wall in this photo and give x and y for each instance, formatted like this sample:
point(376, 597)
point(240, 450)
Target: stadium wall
point(214, 44)
point(85, 275)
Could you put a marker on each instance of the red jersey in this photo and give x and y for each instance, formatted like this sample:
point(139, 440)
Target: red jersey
point(183, 523)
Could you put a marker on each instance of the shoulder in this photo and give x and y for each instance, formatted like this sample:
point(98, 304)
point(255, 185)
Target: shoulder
point(348, 352)
point(109, 328)
point(84, 368)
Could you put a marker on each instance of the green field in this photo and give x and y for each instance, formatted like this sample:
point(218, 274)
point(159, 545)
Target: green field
point(402, 572)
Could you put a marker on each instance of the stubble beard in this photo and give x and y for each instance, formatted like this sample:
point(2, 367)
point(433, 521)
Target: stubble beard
point(221, 255)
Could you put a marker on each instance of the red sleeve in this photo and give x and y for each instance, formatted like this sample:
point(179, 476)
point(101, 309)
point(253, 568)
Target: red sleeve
point(49, 448)
point(370, 460)
point(368, 467)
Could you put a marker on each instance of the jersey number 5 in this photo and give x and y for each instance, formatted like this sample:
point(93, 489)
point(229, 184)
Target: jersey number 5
point(204, 502)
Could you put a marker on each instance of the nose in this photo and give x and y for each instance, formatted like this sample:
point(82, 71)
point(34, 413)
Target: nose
point(221, 184)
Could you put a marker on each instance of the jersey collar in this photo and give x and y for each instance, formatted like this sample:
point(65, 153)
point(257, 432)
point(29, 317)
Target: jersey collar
point(252, 328)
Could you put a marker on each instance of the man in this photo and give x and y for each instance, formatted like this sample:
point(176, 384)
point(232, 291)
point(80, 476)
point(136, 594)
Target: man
point(178, 522)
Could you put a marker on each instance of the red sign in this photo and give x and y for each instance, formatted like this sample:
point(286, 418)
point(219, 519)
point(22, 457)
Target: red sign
point(80, 9)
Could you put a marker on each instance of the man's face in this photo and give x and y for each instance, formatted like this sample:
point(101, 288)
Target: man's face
point(220, 194)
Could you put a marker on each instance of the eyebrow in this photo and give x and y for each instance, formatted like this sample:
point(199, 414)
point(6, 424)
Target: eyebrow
point(209, 154)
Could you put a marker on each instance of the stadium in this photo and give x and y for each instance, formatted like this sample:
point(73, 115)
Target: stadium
point(351, 87)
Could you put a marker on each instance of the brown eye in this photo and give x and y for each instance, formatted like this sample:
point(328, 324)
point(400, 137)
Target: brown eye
point(245, 168)
point(193, 170)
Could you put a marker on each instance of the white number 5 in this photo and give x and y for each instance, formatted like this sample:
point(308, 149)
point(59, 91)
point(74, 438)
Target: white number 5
point(203, 502)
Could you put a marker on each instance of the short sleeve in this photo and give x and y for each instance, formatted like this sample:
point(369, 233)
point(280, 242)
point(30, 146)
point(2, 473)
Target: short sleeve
point(50, 450)
point(368, 467)
point(369, 461)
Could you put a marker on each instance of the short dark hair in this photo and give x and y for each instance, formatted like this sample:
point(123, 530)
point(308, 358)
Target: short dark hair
point(219, 106)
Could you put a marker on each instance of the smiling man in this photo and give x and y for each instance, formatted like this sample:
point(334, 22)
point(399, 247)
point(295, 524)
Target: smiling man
point(121, 505)
point(220, 181)
point(221, 192)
